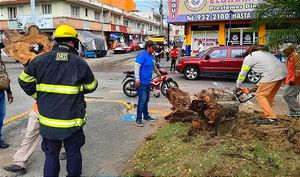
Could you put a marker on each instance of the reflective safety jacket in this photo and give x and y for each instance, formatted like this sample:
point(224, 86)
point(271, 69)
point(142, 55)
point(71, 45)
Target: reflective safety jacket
point(58, 81)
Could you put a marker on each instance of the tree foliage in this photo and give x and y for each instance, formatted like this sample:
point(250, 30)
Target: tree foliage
point(284, 17)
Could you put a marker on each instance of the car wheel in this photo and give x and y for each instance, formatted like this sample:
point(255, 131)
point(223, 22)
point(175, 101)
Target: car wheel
point(191, 73)
point(253, 77)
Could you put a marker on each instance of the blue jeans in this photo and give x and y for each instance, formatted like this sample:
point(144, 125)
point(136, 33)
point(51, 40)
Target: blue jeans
point(2, 110)
point(143, 92)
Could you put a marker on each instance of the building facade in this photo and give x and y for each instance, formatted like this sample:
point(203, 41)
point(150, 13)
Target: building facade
point(112, 18)
point(212, 21)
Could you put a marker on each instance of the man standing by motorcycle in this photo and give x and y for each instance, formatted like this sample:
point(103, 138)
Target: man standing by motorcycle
point(144, 64)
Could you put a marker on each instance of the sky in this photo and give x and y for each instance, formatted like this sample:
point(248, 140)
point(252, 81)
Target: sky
point(149, 4)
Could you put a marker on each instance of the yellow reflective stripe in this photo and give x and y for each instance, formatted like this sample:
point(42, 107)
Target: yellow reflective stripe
point(246, 68)
point(241, 78)
point(90, 86)
point(26, 77)
point(34, 95)
point(58, 123)
point(62, 89)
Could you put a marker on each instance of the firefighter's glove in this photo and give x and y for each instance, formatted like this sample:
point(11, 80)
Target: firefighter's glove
point(236, 90)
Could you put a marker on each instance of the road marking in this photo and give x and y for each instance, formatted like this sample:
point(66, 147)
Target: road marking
point(216, 84)
point(115, 91)
point(16, 117)
point(95, 99)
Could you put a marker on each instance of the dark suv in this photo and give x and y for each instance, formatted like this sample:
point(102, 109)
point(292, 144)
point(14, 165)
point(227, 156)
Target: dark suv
point(223, 61)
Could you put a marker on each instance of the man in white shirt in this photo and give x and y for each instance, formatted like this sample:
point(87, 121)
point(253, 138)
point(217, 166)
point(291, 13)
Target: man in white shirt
point(200, 48)
point(272, 72)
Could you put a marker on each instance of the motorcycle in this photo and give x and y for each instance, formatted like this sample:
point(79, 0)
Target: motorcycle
point(157, 84)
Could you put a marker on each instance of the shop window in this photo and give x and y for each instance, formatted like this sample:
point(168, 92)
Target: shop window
point(12, 13)
point(106, 17)
point(218, 54)
point(86, 12)
point(126, 23)
point(75, 11)
point(97, 16)
point(46, 8)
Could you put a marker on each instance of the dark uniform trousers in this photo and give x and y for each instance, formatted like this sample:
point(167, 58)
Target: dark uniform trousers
point(72, 145)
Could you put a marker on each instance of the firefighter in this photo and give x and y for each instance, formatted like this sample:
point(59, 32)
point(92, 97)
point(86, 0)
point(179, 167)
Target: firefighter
point(58, 81)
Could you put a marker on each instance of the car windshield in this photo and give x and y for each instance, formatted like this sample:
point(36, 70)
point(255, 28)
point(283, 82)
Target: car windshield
point(203, 53)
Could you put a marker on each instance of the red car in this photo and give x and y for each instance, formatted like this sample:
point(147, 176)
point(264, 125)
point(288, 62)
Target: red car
point(122, 48)
point(223, 61)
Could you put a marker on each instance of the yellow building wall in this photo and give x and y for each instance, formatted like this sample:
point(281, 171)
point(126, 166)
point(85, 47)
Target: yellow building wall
point(222, 40)
point(128, 5)
point(222, 31)
point(261, 34)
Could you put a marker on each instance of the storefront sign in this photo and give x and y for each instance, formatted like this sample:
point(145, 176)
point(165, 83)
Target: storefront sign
point(114, 36)
point(42, 21)
point(210, 10)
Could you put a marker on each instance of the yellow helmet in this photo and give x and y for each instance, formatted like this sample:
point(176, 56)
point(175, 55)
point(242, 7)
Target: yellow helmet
point(65, 31)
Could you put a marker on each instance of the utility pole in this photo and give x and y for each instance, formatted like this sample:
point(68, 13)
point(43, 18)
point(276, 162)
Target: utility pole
point(161, 11)
point(32, 4)
point(102, 20)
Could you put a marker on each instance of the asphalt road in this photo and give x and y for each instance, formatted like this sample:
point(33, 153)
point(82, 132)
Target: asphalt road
point(111, 142)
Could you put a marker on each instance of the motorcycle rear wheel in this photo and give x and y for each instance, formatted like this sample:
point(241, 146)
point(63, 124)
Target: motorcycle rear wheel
point(129, 88)
point(167, 84)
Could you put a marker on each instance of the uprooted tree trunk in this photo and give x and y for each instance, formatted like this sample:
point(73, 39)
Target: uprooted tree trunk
point(217, 111)
point(206, 110)
point(22, 47)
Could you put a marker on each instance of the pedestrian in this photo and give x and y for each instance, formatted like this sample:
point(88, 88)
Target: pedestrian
point(167, 51)
point(58, 80)
point(174, 55)
point(272, 72)
point(144, 64)
point(292, 87)
point(158, 54)
point(200, 48)
point(31, 140)
point(217, 44)
point(4, 87)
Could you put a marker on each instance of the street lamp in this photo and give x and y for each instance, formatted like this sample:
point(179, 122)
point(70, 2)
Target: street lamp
point(229, 29)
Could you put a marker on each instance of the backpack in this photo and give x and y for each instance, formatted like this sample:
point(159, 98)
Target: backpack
point(4, 79)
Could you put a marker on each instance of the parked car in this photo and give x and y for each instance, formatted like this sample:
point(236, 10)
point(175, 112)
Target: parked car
point(223, 61)
point(122, 48)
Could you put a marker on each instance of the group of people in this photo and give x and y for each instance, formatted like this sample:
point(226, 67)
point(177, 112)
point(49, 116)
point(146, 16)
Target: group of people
point(273, 74)
point(58, 80)
point(172, 53)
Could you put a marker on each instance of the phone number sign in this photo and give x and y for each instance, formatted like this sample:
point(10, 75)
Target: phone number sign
point(216, 16)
